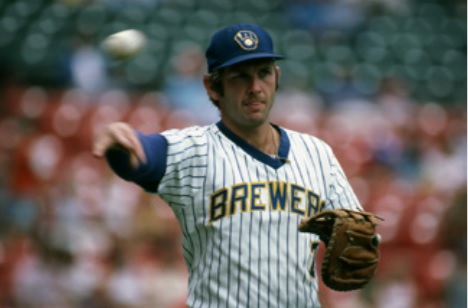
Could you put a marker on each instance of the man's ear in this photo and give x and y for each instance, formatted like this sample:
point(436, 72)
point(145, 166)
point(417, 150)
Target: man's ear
point(278, 76)
point(215, 96)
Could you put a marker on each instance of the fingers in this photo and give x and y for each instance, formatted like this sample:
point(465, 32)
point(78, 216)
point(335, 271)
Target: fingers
point(119, 135)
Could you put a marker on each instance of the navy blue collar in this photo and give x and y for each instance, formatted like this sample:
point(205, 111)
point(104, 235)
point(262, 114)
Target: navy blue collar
point(275, 163)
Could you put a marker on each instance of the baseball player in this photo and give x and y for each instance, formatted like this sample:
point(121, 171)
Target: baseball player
point(239, 187)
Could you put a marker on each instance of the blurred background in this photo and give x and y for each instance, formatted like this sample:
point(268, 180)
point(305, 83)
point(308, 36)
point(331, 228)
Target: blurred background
point(382, 81)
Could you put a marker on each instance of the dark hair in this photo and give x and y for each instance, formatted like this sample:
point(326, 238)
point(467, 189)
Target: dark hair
point(216, 84)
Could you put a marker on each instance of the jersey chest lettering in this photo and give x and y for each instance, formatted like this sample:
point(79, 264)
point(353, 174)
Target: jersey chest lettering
point(263, 197)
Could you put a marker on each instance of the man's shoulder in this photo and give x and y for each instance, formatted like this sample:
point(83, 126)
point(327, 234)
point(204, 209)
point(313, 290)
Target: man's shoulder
point(189, 131)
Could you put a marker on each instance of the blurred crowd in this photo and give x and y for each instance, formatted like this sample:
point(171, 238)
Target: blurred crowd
point(72, 234)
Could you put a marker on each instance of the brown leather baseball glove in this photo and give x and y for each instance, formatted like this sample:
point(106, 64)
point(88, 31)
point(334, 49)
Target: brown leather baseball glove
point(352, 246)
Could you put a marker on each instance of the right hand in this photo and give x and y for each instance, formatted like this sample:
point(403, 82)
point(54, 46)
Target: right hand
point(119, 135)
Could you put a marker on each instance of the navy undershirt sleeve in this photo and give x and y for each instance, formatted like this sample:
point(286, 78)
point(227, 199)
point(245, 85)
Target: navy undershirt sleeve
point(147, 175)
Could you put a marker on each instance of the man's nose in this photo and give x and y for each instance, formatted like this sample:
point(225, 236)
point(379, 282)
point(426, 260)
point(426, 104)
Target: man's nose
point(255, 84)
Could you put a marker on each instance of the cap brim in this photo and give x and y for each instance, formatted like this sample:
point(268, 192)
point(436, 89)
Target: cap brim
point(239, 59)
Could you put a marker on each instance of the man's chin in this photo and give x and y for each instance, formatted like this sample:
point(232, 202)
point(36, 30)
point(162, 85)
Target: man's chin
point(256, 119)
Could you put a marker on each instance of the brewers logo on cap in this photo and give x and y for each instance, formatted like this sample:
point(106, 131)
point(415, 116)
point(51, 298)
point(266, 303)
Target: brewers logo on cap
point(246, 39)
point(238, 43)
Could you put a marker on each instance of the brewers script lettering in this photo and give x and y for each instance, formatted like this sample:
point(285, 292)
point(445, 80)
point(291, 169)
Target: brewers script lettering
point(262, 197)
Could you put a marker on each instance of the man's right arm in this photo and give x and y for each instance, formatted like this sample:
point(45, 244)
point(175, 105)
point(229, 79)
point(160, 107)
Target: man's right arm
point(132, 155)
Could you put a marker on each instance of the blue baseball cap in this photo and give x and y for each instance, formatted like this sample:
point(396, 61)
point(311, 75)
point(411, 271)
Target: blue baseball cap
point(238, 43)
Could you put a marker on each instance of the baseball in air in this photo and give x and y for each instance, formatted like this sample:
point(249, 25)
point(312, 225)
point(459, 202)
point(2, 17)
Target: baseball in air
point(125, 44)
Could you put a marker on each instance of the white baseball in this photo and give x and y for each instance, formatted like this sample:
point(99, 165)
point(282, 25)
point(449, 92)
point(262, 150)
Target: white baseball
point(124, 44)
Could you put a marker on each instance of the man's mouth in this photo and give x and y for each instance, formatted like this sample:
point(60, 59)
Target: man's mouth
point(254, 102)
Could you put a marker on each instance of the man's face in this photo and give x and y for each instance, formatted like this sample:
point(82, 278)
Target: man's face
point(249, 91)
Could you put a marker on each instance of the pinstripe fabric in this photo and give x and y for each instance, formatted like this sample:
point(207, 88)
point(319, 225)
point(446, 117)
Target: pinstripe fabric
point(239, 215)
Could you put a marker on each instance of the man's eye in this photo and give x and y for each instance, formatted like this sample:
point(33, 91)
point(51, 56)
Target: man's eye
point(238, 76)
point(264, 73)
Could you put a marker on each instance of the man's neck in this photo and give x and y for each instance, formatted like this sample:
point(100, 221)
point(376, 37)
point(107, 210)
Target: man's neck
point(263, 137)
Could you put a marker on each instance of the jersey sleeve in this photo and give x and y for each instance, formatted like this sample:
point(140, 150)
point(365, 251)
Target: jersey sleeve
point(186, 168)
point(340, 192)
point(147, 175)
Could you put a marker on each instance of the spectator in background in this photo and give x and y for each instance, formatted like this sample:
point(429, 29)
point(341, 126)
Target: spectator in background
point(319, 16)
point(454, 238)
point(183, 86)
point(88, 67)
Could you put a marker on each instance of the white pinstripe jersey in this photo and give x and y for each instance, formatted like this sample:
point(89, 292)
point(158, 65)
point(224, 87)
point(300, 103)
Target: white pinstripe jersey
point(239, 210)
